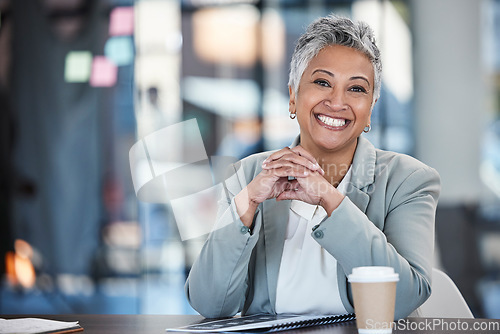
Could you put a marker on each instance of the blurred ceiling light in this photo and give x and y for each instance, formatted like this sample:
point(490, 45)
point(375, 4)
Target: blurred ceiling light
point(394, 41)
point(273, 38)
point(229, 98)
point(19, 268)
point(157, 26)
point(123, 234)
point(72, 285)
point(173, 41)
point(23, 248)
point(226, 35)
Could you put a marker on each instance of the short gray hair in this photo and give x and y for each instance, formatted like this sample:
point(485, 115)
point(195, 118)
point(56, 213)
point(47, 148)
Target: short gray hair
point(335, 30)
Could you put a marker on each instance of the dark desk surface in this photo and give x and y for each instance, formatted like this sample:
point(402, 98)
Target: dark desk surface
point(149, 324)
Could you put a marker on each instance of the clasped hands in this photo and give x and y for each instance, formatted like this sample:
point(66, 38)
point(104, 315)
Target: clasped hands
point(288, 174)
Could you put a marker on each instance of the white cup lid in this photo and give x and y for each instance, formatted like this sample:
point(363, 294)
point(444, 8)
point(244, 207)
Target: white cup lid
point(373, 274)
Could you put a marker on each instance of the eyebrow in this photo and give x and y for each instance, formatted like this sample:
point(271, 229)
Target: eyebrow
point(333, 75)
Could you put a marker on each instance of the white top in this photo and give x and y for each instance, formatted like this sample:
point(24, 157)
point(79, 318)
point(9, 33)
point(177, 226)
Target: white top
point(307, 280)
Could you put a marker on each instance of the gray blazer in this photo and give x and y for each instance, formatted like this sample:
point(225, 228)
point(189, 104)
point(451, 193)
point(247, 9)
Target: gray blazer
point(386, 219)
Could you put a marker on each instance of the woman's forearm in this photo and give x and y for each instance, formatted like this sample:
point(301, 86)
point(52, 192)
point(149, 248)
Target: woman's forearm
point(245, 207)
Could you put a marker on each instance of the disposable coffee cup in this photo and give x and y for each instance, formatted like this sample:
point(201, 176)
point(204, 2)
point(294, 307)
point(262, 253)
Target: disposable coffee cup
point(374, 294)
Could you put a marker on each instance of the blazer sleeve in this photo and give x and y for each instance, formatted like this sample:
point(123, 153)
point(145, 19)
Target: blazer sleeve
point(405, 241)
point(217, 282)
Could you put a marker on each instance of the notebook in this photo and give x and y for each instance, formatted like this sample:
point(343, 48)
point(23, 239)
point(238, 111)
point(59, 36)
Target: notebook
point(263, 323)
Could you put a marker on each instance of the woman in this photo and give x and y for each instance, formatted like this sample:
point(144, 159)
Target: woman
point(294, 222)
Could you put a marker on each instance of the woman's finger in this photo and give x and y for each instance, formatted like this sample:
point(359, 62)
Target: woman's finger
point(278, 154)
point(283, 163)
point(302, 152)
point(299, 150)
point(287, 171)
point(293, 164)
point(290, 158)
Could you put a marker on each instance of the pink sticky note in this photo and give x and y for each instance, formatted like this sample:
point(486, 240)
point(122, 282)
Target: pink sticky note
point(121, 21)
point(104, 72)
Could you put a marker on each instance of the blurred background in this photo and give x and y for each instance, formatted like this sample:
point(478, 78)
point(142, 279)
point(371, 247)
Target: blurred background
point(81, 81)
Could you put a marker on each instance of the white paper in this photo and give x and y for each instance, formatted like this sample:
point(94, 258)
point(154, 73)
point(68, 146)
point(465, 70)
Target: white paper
point(33, 325)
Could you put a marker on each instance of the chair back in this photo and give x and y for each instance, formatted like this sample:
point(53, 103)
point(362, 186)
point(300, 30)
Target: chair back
point(446, 301)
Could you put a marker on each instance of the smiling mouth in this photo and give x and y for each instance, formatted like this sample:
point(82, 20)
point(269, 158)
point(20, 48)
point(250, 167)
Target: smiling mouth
point(333, 122)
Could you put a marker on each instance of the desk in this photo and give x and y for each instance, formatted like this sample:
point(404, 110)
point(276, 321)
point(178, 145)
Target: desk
point(156, 324)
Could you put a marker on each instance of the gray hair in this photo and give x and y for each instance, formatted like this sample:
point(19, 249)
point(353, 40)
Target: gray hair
point(335, 30)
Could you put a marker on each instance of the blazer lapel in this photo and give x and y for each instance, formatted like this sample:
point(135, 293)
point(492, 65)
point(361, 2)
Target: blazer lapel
point(363, 173)
point(358, 197)
point(275, 220)
point(363, 176)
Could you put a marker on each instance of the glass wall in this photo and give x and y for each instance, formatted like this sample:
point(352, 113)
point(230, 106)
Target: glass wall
point(139, 67)
point(122, 110)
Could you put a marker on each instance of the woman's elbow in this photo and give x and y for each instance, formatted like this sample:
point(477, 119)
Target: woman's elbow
point(198, 303)
point(206, 305)
point(409, 302)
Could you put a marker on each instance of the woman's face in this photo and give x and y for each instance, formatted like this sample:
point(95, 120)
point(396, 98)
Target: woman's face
point(334, 100)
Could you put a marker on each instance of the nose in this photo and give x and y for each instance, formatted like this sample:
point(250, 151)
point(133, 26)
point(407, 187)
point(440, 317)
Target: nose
point(336, 99)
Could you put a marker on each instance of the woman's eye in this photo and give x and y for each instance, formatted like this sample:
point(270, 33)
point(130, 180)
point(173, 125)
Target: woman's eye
point(358, 89)
point(323, 83)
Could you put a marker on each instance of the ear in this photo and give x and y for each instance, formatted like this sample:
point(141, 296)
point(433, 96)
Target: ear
point(291, 103)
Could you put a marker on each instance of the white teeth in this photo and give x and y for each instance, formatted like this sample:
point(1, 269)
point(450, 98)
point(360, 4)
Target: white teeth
point(331, 121)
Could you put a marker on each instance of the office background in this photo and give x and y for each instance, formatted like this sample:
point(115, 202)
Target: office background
point(82, 81)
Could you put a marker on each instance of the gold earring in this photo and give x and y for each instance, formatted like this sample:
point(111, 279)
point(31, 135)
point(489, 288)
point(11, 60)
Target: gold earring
point(293, 115)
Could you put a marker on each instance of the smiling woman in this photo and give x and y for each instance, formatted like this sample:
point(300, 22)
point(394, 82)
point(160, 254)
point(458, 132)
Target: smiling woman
point(294, 223)
point(333, 104)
